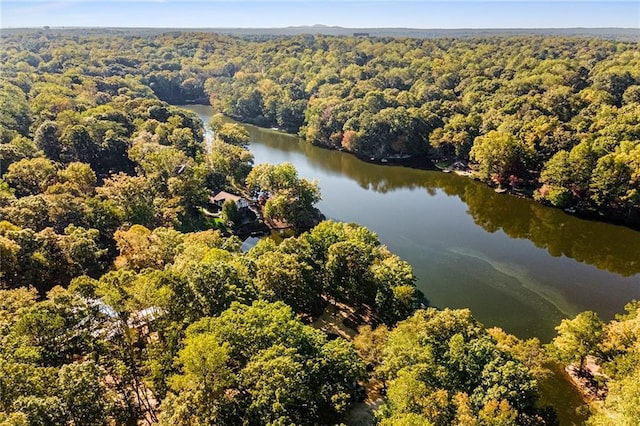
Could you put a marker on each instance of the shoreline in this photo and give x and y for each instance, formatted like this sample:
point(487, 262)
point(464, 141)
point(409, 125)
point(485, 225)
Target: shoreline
point(428, 163)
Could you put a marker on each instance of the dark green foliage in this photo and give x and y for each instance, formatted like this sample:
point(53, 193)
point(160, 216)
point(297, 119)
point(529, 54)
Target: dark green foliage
point(14, 110)
point(377, 98)
point(445, 367)
point(289, 198)
point(259, 364)
point(578, 338)
point(230, 213)
point(99, 174)
point(342, 263)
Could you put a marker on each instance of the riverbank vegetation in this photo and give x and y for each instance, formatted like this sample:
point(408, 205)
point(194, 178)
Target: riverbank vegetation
point(604, 359)
point(119, 304)
point(552, 116)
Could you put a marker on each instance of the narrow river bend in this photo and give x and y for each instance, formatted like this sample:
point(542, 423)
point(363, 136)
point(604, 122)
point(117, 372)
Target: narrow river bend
point(515, 263)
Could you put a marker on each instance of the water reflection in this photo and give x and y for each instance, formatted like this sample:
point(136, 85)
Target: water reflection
point(515, 263)
point(613, 248)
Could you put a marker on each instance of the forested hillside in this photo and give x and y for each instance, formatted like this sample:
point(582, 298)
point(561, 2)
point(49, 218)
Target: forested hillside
point(122, 303)
point(550, 114)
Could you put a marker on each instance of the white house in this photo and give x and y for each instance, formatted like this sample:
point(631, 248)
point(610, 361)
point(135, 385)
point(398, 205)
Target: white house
point(223, 196)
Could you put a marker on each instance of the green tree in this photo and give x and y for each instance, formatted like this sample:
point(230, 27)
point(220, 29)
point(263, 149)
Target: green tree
point(348, 273)
point(279, 385)
point(17, 149)
point(30, 176)
point(82, 249)
point(214, 283)
point(557, 178)
point(47, 138)
point(12, 304)
point(47, 410)
point(232, 134)
point(229, 162)
point(499, 155)
point(622, 404)
point(132, 198)
point(578, 338)
point(615, 182)
point(183, 139)
point(83, 393)
point(282, 276)
point(230, 213)
point(78, 179)
point(287, 371)
point(201, 386)
point(78, 145)
point(396, 296)
point(14, 109)
point(291, 198)
point(434, 357)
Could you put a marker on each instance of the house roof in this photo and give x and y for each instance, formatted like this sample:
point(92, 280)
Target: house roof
point(144, 316)
point(223, 196)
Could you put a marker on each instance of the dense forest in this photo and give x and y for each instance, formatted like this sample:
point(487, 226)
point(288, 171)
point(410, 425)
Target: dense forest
point(121, 302)
point(553, 117)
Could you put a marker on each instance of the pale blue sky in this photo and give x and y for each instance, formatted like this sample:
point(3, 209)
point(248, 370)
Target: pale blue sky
point(345, 13)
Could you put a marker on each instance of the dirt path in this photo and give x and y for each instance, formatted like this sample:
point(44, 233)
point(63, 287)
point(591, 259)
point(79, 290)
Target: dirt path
point(591, 382)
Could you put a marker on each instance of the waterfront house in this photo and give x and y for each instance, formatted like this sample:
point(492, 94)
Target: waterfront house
point(222, 196)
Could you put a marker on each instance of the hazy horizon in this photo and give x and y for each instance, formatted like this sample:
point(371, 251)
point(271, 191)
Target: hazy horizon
point(479, 29)
point(409, 14)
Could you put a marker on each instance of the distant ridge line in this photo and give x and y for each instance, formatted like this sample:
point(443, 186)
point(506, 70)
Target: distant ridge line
point(615, 33)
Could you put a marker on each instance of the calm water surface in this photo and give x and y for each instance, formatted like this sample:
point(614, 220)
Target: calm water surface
point(515, 263)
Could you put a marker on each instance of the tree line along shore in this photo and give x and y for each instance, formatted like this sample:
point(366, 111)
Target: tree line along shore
point(120, 303)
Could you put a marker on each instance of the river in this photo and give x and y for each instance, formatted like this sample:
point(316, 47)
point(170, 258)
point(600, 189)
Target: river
point(515, 263)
